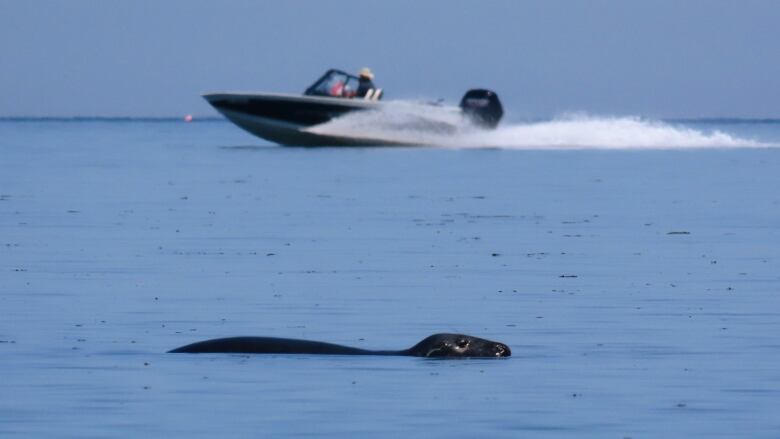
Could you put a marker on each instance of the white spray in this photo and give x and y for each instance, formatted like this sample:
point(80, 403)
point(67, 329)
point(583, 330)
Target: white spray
point(411, 123)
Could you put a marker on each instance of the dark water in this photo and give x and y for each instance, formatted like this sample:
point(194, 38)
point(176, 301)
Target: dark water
point(637, 288)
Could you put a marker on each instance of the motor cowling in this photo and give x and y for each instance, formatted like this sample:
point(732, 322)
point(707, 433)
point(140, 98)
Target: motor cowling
point(483, 107)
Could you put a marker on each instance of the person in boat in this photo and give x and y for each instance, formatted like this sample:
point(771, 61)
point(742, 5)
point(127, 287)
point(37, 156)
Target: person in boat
point(366, 83)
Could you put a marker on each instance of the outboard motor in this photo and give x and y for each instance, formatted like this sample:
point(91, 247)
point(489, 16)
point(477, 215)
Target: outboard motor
point(482, 107)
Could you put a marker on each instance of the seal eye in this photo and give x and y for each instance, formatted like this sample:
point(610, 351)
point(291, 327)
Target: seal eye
point(462, 343)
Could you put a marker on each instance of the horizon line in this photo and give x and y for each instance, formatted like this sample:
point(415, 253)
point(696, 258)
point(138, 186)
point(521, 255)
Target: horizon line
point(217, 118)
point(109, 118)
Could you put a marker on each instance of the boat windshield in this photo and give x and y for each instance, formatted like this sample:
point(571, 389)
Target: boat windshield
point(334, 83)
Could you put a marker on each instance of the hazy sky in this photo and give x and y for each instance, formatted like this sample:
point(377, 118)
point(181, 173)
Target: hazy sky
point(656, 58)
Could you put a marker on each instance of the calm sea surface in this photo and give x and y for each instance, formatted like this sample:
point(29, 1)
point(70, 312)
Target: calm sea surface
point(639, 289)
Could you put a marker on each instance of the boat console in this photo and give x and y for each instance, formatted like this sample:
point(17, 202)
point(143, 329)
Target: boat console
point(340, 84)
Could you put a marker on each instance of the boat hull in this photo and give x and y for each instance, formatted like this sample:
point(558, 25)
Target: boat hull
point(283, 119)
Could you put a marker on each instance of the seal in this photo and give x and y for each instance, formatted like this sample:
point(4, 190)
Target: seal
point(437, 345)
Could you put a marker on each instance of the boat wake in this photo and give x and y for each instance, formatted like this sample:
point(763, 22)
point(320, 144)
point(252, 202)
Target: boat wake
point(400, 123)
point(410, 124)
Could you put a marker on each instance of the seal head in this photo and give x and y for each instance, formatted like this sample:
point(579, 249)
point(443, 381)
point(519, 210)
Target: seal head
point(459, 345)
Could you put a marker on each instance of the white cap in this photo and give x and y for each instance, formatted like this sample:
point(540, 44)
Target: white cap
point(366, 73)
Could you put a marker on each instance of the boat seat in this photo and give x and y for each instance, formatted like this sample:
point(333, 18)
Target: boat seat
point(374, 94)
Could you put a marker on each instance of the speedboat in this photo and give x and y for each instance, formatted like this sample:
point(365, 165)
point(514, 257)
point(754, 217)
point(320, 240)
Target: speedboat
point(295, 120)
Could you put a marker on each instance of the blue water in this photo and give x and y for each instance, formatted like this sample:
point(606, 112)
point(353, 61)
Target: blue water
point(637, 287)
